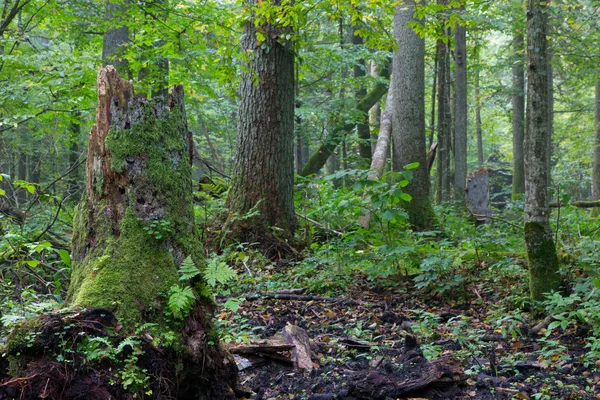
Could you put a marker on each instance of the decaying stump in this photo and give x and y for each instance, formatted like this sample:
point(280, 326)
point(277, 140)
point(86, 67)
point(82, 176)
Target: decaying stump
point(416, 376)
point(131, 233)
point(478, 195)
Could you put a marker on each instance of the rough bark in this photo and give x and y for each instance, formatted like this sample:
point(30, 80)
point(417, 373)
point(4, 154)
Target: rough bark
point(518, 116)
point(263, 175)
point(408, 115)
point(331, 141)
point(478, 194)
point(116, 38)
point(596, 166)
point(460, 112)
point(541, 250)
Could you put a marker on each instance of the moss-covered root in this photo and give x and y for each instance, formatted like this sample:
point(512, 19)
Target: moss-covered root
point(543, 262)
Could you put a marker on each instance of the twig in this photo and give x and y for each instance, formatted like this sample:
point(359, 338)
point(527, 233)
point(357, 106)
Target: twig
point(496, 218)
point(312, 221)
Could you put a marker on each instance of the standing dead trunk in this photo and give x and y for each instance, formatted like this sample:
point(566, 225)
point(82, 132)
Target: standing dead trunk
point(596, 167)
point(136, 226)
point(408, 118)
point(541, 250)
point(460, 112)
point(518, 116)
point(263, 175)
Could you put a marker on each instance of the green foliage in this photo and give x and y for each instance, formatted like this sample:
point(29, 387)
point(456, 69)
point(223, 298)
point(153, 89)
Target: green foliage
point(159, 229)
point(218, 271)
point(181, 301)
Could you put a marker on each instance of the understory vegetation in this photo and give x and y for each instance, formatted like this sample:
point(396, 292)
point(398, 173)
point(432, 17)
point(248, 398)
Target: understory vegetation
point(462, 291)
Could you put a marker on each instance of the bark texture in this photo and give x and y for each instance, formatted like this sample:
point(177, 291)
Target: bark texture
point(408, 118)
point(263, 175)
point(460, 112)
point(596, 166)
point(518, 116)
point(541, 250)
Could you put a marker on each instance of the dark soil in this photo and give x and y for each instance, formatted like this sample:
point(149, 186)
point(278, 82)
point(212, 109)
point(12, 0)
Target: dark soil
point(497, 366)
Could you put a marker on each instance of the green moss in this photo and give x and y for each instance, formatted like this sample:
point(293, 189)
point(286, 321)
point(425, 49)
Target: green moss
point(421, 214)
point(128, 271)
point(25, 335)
point(543, 262)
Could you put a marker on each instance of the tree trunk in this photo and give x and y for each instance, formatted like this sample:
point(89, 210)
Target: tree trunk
point(116, 38)
point(518, 116)
point(73, 178)
point(374, 114)
point(433, 95)
point(460, 112)
point(331, 141)
point(541, 250)
point(408, 118)
point(136, 226)
point(443, 150)
point(550, 118)
point(382, 149)
point(478, 128)
point(263, 176)
point(596, 167)
point(362, 129)
point(21, 175)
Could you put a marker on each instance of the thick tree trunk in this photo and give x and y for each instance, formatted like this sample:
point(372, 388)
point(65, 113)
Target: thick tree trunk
point(541, 250)
point(263, 176)
point(114, 43)
point(331, 141)
point(596, 167)
point(461, 112)
point(408, 118)
point(518, 116)
point(136, 226)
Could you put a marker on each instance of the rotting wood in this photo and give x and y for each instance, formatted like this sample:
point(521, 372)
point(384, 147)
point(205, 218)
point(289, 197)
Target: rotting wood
point(301, 353)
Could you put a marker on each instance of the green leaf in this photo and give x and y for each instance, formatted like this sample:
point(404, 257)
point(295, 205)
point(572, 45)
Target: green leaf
point(218, 271)
point(181, 300)
point(65, 257)
point(411, 166)
point(405, 197)
point(188, 269)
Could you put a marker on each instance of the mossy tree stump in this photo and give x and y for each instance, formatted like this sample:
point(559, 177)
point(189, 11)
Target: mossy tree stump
point(136, 224)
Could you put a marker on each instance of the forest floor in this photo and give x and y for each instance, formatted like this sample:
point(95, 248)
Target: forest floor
point(364, 331)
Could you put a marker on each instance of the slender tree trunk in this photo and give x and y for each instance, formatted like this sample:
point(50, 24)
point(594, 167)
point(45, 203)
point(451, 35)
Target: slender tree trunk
point(541, 250)
point(21, 175)
point(550, 117)
point(461, 112)
point(518, 116)
point(374, 113)
point(444, 144)
point(478, 128)
point(34, 168)
point(433, 95)
point(408, 118)
point(73, 180)
point(596, 168)
point(263, 175)
point(116, 38)
point(362, 129)
point(382, 148)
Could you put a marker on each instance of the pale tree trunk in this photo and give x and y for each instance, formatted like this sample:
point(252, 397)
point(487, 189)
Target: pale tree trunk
point(408, 118)
point(541, 250)
point(550, 117)
point(461, 112)
point(433, 96)
point(374, 113)
point(116, 38)
point(263, 175)
point(139, 177)
point(596, 167)
point(382, 148)
point(518, 116)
